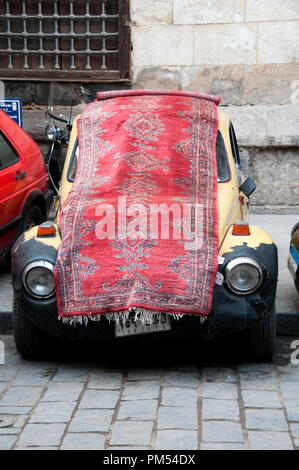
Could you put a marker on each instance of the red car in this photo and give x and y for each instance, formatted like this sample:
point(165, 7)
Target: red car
point(25, 197)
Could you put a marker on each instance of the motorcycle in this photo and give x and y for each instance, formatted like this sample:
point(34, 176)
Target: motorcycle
point(59, 138)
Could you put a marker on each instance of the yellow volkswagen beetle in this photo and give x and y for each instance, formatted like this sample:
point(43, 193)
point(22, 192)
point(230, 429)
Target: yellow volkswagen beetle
point(243, 294)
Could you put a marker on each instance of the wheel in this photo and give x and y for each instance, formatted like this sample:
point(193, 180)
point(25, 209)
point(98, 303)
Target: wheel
point(261, 338)
point(33, 216)
point(30, 341)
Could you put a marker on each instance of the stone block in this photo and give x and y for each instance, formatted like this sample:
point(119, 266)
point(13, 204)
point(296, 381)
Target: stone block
point(220, 409)
point(263, 10)
point(209, 11)
point(83, 441)
point(289, 373)
point(289, 390)
point(278, 42)
point(225, 81)
point(105, 380)
point(144, 374)
point(59, 412)
point(157, 77)
point(3, 386)
point(23, 90)
point(179, 396)
point(137, 410)
point(177, 418)
point(292, 407)
point(141, 390)
point(6, 442)
point(220, 390)
point(236, 84)
point(41, 435)
point(162, 45)
point(93, 399)
point(70, 374)
point(181, 379)
point(221, 431)
point(63, 392)
point(155, 11)
point(263, 125)
point(33, 376)
point(222, 446)
point(57, 94)
point(267, 440)
point(15, 410)
point(225, 44)
point(258, 381)
point(276, 173)
point(256, 79)
point(132, 433)
point(21, 396)
point(219, 374)
point(36, 448)
point(265, 420)
point(91, 421)
point(7, 372)
point(295, 430)
point(261, 399)
point(176, 440)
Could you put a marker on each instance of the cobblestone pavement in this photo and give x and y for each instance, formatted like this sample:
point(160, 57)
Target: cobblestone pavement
point(146, 398)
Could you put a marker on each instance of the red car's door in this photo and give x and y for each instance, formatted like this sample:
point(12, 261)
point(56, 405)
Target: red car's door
point(12, 186)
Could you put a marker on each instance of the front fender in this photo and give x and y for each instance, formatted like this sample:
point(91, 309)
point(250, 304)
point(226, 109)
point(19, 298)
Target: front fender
point(29, 247)
point(258, 245)
point(232, 311)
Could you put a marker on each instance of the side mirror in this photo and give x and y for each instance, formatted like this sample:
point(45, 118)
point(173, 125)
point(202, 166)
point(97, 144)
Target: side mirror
point(247, 187)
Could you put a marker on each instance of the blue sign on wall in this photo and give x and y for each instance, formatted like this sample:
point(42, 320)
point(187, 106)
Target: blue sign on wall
point(13, 107)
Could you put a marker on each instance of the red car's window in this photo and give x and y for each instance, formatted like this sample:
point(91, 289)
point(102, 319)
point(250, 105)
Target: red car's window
point(8, 155)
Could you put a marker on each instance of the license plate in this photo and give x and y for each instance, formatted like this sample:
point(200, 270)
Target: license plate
point(131, 327)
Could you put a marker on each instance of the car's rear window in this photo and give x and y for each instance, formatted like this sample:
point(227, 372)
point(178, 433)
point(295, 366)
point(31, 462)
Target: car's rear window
point(223, 171)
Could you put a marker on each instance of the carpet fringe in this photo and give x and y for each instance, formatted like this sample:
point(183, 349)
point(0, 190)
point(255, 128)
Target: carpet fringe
point(142, 314)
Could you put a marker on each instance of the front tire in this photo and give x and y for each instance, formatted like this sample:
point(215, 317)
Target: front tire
point(30, 341)
point(261, 338)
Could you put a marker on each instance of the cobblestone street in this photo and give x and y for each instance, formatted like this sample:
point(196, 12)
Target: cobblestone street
point(150, 398)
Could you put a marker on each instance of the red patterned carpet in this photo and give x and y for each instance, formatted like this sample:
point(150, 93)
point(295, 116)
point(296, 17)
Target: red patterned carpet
point(140, 225)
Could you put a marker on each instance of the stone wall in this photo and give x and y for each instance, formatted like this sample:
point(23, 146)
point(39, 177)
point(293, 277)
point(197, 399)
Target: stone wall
point(247, 52)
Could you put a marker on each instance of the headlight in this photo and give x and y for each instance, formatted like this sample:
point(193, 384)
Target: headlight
point(38, 279)
point(243, 275)
point(51, 132)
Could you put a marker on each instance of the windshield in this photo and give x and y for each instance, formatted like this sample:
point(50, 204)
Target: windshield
point(223, 171)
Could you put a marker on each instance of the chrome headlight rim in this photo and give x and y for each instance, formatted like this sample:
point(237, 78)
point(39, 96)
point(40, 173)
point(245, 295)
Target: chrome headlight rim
point(240, 261)
point(37, 264)
point(51, 132)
